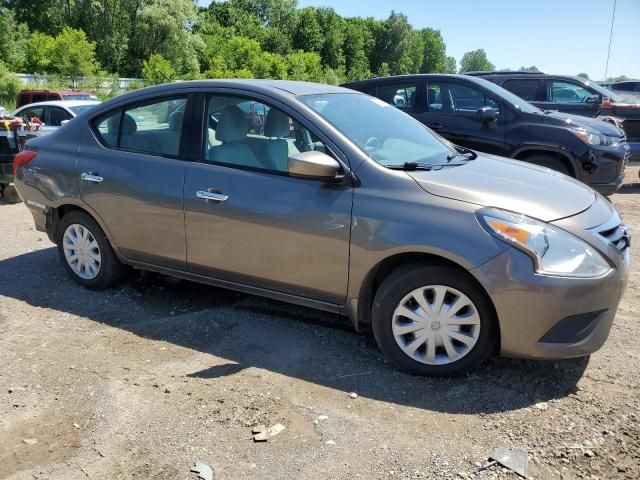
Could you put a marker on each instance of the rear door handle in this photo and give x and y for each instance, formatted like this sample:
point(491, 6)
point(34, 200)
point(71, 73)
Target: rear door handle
point(213, 196)
point(435, 126)
point(90, 177)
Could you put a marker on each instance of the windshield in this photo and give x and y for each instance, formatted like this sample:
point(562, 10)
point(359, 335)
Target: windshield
point(605, 92)
point(509, 97)
point(387, 135)
point(78, 96)
point(81, 108)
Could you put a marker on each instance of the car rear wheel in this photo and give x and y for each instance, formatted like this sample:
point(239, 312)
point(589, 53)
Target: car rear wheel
point(10, 194)
point(551, 162)
point(433, 320)
point(86, 253)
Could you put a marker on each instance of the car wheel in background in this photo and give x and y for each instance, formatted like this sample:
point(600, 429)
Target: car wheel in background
point(434, 321)
point(86, 253)
point(551, 162)
point(10, 194)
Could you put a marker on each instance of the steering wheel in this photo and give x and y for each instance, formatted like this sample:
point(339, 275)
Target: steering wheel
point(372, 143)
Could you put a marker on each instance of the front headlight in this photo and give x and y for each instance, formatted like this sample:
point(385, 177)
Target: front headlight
point(554, 251)
point(591, 137)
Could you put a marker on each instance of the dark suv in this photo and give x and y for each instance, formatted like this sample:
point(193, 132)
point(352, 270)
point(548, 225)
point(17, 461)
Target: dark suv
point(571, 95)
point(479, 115)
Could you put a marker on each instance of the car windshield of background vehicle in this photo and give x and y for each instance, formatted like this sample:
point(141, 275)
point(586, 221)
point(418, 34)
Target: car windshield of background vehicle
point(605, 92)
point(387, 135)
point(81, 108)
point(509, 97)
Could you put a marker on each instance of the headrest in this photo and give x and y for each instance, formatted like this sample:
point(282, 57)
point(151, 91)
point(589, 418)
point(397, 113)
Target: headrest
point(113, 123)
point(232, 125)
point(128, 125)
point(276, 124)
point(175, 120)
point(432, 94)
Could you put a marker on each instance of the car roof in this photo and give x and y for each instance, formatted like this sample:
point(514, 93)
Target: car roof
point(61, 103)
point(413, 76)
point(289, 86)
point(61, 92)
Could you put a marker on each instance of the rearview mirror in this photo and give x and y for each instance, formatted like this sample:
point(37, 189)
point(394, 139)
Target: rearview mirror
point(487, 114)
point(313, 165)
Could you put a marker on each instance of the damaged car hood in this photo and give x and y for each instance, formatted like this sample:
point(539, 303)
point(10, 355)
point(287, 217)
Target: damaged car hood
point(492, 181)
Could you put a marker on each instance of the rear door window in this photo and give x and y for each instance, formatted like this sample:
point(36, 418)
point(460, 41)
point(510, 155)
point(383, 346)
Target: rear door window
point(152, 127)
point(528, 89)
point(33, 112)
point(402, 96)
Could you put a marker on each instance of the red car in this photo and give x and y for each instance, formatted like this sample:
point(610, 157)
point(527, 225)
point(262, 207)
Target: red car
point(25, 97)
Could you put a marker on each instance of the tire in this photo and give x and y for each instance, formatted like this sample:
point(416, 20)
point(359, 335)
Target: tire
point(451, 357)
point(98, 275)
point(10, 194)
point(551, 162)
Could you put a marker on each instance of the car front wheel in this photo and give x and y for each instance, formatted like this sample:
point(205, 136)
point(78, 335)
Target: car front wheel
point(433, 320)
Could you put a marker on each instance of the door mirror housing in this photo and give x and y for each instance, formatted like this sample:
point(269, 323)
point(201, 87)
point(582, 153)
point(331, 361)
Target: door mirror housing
point(313, 165)
point(592, 99)
point(487, 114)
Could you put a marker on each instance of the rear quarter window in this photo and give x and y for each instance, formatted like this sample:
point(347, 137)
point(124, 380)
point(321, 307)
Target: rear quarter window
point(525, 89)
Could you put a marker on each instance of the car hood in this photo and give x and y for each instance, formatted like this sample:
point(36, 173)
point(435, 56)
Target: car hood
point(586, 122)
point(492, 181)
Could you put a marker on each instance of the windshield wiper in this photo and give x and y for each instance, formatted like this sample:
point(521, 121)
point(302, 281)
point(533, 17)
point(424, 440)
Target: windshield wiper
point(412, 166)
point(462, 152)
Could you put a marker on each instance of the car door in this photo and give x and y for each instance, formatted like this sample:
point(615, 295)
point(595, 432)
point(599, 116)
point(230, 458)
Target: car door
point(267, 229)
point(131, 173)
point(570, 97)
point(453, 111)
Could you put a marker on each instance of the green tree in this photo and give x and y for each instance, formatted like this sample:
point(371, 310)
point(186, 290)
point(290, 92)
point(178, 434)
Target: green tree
point(9, 88)
point(46, 16)
point(166, 27)
point(332, 31)
point(435, 57)
point(583, 75)
point(305, 66)
point(450, 65)
point(357, 37)
point(39, 51)
point(157, 70)
point(14, 46)
point(474, 61)
point(74, 56)
point(307, 34)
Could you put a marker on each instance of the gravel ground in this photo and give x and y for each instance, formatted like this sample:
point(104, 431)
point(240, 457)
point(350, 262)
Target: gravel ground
point(142, 380)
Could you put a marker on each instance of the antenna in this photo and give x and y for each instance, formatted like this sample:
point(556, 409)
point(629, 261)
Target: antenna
point(613, 16)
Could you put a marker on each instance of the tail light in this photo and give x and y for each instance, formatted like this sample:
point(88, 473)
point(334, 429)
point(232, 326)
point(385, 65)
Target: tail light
point(22, 158)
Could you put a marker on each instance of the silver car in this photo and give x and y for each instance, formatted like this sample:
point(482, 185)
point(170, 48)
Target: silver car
point(329, 198)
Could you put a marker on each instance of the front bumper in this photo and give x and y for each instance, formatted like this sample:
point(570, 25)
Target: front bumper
point(608, 168)
point(529, 306)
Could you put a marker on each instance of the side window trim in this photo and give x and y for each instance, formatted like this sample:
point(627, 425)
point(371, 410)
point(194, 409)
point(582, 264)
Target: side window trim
point(200, 122)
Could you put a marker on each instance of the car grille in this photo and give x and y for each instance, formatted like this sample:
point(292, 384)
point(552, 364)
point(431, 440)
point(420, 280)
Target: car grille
point(619, 236)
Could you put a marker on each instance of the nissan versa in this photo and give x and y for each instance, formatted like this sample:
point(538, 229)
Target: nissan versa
point(333, 199)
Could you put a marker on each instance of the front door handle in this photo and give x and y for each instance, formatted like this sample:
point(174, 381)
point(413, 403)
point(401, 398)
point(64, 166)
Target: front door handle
point(91, 177)
point(213, 196)
point(435, 126)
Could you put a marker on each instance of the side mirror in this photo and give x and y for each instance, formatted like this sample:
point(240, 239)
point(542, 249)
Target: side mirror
point(313, 165)
point(487, 114)
point(592, 99)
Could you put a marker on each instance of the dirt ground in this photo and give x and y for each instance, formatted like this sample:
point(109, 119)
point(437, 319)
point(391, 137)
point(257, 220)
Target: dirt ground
point(142, 380)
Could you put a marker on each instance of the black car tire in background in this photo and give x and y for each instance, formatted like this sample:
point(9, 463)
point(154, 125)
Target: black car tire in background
point(550, 162)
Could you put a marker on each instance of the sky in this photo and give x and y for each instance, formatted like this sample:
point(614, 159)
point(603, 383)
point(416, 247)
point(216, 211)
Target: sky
point(557, 36)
